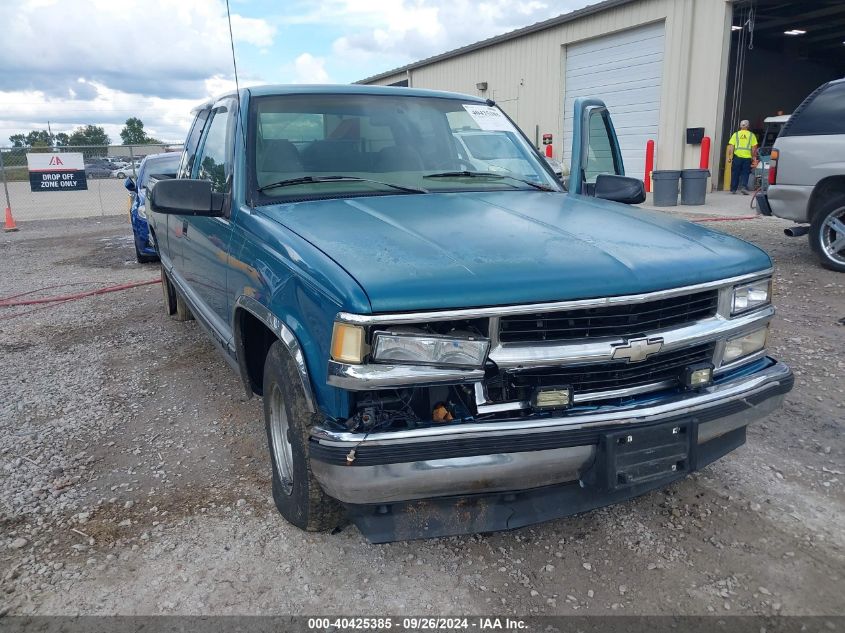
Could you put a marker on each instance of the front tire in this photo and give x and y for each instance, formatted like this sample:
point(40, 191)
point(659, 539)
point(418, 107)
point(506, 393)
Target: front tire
point(288, 420)
point(827, 233)
point(144, 259)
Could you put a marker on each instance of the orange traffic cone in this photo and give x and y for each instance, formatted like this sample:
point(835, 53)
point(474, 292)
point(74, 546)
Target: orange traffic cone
point(9, 226)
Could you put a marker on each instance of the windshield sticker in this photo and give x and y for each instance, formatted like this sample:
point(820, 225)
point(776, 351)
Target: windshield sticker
point(489, 118)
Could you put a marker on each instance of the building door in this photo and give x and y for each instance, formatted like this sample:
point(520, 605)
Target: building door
point(624, 70)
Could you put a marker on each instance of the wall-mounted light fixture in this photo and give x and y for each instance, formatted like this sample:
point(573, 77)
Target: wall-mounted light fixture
point(481, 85)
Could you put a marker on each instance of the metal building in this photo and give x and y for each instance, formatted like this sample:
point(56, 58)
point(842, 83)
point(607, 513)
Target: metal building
point(661, 66)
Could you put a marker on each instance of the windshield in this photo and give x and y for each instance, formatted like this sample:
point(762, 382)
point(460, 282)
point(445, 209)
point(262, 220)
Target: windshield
point(386, 145)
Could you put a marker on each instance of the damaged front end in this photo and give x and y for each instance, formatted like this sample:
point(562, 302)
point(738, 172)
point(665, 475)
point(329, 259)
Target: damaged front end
point(570, 405)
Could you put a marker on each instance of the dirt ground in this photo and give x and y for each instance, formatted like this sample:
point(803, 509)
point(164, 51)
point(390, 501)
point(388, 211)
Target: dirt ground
point(135, 477)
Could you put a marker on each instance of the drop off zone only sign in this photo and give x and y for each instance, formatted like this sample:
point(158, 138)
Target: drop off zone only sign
point(56, 172)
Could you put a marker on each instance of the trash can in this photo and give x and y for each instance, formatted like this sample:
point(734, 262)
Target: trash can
point(665, 187)
point(694, 185)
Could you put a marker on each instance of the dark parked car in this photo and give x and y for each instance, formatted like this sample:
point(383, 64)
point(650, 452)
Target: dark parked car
point(98, 168)
point(153, 168)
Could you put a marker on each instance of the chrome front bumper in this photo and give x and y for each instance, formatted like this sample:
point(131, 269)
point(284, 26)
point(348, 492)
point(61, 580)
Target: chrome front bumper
point(522, 454)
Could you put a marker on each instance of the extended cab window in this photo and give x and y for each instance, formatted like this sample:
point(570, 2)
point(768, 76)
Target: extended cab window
point(383, 144)
point(212, 160)
point(600, 156)
point(186, 167)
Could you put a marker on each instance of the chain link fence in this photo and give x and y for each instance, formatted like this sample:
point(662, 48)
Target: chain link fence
point(106, 168)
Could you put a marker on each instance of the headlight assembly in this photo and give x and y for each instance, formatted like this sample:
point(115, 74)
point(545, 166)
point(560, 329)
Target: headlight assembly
point(142, 212)
point(751, 295)
point(745, 345)
point(430, 349)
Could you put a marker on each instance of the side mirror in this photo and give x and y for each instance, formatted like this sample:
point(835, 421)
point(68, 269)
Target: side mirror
point(130, 185)
point(620, 189)
point(186, 197)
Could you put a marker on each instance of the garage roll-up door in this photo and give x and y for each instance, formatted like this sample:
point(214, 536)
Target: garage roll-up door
point(624, 70)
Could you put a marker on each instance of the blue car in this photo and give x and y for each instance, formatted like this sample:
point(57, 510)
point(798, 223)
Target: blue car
point(153, 167)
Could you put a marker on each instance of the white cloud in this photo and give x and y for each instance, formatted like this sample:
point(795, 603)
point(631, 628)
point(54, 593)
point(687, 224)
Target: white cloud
point(310, 70)
point(169, 51)
point(74, 62)
point(97, 61)
point(254, 31)
point(410, 30)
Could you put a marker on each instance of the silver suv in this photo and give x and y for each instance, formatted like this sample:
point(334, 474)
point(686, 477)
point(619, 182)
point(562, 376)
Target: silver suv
point(807, 173)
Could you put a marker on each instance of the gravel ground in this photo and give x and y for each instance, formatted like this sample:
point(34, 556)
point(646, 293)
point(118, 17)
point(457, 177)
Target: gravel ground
point(135, 479)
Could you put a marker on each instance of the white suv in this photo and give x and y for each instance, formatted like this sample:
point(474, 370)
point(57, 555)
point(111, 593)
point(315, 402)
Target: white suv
point(807, 173)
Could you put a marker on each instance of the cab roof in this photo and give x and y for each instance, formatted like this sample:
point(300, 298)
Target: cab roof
point(341, 89)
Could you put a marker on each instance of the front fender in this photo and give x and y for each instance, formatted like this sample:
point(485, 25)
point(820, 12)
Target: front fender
point(282, 332)
point(295, 290)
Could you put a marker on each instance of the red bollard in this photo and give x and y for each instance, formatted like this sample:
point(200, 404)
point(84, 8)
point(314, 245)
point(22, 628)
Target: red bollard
point(548, 151)
point(704, 162)
point(649, 164)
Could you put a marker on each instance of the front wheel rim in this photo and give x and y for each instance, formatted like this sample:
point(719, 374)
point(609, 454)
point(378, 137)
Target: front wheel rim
point(282, 449)
point(833, 235)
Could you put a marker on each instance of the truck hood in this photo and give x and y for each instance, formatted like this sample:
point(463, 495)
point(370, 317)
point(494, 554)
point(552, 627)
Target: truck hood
point(450, 250)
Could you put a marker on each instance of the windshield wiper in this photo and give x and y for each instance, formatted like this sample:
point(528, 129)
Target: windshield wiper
point(487, 174)
point(316, 179)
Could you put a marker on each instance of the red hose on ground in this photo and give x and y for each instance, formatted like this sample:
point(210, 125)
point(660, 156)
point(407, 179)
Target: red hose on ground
point(31, 292)
point(7, 303)
point(744, 217)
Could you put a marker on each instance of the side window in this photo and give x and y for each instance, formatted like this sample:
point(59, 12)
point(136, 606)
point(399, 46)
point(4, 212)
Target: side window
point(600, 158)
point(212, 161)
point(823, 114)
point(186, 167)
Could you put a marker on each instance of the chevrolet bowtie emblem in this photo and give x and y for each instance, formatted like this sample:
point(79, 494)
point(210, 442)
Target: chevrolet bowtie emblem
point(637, 349)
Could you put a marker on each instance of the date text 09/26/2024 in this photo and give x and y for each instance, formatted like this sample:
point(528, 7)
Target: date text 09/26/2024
point(480, 623)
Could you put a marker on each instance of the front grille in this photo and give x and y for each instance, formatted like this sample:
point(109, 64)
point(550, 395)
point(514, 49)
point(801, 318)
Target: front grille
point(625, 320)
point(665, 367)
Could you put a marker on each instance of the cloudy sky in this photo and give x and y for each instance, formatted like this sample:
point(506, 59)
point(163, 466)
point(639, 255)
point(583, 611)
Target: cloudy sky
point(73, 62)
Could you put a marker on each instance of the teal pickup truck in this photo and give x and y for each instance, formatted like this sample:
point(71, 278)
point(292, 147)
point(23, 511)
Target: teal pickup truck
point(444, 347)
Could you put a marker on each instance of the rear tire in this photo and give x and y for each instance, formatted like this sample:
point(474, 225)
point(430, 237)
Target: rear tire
point(296, 492)
point(183, 312)
point(169, 294)
point(827, 233)
point(175, 304)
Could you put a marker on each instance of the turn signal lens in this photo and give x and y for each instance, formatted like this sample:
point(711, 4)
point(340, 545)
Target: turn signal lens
point(348, 343)
point(773, 167)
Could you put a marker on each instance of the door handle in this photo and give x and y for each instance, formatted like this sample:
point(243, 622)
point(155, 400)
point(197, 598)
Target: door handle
point(184, 228)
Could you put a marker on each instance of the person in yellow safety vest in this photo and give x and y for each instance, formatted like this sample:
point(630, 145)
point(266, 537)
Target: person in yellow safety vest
point(742, 148)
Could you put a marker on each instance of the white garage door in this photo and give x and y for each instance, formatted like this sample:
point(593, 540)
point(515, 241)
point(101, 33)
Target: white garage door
point(624, 70)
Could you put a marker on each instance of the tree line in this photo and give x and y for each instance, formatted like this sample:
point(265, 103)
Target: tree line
point(133, 133)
